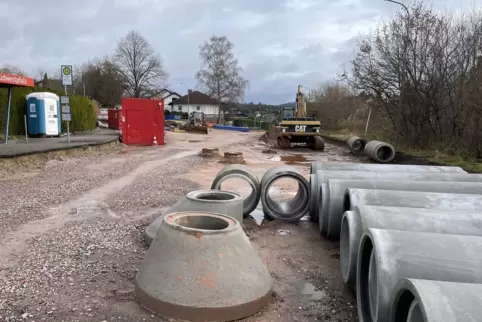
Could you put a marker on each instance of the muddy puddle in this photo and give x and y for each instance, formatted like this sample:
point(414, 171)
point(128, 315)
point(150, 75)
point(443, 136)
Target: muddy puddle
point(292, 159)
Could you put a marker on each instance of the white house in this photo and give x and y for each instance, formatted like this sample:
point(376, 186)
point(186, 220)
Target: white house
point(194, 101)
point(168, 96)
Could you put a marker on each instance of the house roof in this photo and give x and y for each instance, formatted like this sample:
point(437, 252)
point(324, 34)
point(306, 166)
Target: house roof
point(166, 93)
point(195, 98)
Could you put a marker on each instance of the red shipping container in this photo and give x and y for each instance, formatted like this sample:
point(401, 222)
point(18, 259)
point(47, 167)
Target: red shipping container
point(142, 121)
point(114, 119)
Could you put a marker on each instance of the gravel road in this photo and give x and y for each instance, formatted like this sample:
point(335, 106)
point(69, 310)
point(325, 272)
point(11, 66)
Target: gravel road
point(72, 235)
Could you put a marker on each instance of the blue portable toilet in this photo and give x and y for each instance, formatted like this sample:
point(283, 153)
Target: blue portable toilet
point(43, 114)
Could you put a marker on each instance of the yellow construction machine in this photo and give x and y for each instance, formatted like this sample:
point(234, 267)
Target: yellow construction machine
point(196, 123)
point(296, 128)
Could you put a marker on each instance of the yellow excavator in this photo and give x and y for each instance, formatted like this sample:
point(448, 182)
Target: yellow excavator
point(296, 128)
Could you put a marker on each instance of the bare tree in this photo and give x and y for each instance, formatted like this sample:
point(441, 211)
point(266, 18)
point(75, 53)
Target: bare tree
point(101, 82)
point(220, 75)
point(139, 66)
point(421, 69)
point(335, 103)
point(12, 70)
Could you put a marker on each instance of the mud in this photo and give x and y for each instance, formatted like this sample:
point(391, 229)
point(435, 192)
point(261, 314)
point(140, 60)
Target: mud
point(304, 266)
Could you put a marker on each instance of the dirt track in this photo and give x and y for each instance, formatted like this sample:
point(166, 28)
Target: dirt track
point(72, 233)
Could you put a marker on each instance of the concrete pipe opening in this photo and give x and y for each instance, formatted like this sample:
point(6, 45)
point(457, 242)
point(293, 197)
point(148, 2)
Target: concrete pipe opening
point(347, 247)
point(242, 180)
point(403, 305)
point(347, 202)
point(415, 313)
point(323, 208)
point(365, 281)
point(293, 194)
point(285, 204)
point(202, 222)
point(385, 153)
point(314, 198)
point(380, 151)
point(356, 145)
point(215, 196)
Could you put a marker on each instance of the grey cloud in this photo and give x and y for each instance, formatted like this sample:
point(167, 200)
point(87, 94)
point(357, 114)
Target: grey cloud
point(280, 44)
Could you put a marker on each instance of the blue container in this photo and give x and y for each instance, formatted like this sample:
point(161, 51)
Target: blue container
point(43, 114)
point(172, 117)
point(232, 128)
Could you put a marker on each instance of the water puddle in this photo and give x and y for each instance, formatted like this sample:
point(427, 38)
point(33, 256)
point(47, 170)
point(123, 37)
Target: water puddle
point(291, 159)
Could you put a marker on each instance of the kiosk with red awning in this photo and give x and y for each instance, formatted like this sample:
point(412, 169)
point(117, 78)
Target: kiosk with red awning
point(10, 81)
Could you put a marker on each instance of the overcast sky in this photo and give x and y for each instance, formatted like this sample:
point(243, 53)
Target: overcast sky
point(279, 43)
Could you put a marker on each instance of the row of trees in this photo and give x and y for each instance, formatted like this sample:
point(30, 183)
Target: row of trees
point(420, 75)
point(136, 70)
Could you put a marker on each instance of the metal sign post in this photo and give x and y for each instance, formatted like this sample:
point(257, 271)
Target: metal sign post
point(66, 113)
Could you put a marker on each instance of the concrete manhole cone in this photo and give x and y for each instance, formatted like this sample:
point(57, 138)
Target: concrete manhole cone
point(218, 201)
point(202, 267)
point(233, 158)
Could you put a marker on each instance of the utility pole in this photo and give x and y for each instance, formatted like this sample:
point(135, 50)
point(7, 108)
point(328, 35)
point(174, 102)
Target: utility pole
point(405, 53)
point(404, 71)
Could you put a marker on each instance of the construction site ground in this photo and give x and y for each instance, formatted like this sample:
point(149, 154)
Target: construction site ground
point(72, 230)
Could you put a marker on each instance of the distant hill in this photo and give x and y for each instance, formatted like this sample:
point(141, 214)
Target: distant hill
point(290, 104)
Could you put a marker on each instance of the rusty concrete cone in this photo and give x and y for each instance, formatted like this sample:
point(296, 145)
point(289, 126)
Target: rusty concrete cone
point(201, 267)
point(223, 202)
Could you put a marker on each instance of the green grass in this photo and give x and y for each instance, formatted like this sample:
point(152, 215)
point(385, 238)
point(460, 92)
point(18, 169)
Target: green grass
point(469, 164)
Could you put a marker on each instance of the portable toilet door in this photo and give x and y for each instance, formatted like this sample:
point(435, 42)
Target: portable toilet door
point(33, 126)
point(46, 114)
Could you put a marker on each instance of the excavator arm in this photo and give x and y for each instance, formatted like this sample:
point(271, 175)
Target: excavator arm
point(300, 104)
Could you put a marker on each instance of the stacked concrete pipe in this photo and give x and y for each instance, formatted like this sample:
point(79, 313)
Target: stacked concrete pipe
point(379, 151)
point(291, 210)
point(243, 172)
point(356, 145)
point(388, 256)
point(363, 167)
point(332, 207)
point(435, 200)
point(319, 183)
point(410, 219)
point(224, 202)
point(417, 300)
point(202, 267)
point(345, 166)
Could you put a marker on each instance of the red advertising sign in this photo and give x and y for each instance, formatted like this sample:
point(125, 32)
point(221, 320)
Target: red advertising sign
point(15, 80)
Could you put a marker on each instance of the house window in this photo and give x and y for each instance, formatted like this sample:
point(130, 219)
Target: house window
point(198, 108)
point(179, 108)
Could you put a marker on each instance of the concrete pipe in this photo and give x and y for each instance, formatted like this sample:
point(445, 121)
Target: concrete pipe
point(243, 172)
point(411, 219)
point(356, 145)
point(412, 199)
point(224, 202)
point(314, 198)
point(324, 176)
point(344, 166)
point(381, 152)
point(290, 210)
point(417, 300)
point(387, 256)
point(336, 190)
point(202, 267)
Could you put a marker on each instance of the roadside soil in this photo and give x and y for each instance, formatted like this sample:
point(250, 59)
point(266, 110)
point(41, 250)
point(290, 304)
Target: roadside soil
point(72, 232)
